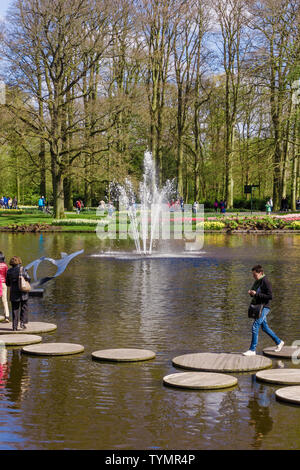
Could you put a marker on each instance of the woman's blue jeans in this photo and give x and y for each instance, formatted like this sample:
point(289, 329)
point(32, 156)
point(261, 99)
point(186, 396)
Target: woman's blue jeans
point(262, 322)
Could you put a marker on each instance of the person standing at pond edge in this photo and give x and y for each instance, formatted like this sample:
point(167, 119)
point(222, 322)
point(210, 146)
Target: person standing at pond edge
point(261, 293)
point(19, 299)
point(3, 272)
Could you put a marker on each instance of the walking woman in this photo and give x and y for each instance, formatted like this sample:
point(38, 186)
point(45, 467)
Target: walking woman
point(261, 293)
point(3, 271)
point(19, 299)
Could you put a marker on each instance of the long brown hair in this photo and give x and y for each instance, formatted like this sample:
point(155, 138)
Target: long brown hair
point(15, 260)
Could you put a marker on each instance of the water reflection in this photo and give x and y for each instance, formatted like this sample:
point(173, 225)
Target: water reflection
point(259, 406)
point(171, 306)
point(4, 369)
point(18, 380)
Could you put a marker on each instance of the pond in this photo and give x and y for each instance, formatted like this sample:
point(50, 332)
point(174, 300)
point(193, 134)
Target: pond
point(169, 305)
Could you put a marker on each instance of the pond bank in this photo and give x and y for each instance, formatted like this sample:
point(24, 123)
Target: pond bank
point(81, 229)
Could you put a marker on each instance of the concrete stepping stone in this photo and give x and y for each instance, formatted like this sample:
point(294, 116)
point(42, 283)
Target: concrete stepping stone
point(36, 293)
point(280, 376)
point(289, 394)
point(53, 349)
point(123, 355)
point(19, 340)
point(287, 352)
point(223, 362)
point(200, 380)
point(32, 328)
point(2, 318)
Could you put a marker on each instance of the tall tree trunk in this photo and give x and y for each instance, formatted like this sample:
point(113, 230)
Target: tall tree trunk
point(295, 161)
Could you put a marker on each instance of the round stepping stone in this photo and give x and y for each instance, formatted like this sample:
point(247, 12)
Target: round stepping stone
point(32, 328)
point(289, 394)
point(280, 376)
point(53, 349)
point(123, 355)
point(19, 340)
point(224, 362)
point(287, 352)
point(200, 380)
point(2, 318)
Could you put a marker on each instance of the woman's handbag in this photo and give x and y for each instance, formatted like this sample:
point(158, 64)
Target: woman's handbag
point(254, 311)
point(24, 286)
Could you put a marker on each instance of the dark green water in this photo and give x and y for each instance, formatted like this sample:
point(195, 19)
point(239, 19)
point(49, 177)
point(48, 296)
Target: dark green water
point(171, 306)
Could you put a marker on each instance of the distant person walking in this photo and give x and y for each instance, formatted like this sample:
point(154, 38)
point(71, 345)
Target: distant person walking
point(110, 209)
point(19, 299)
point(284, 204)
point(216, 205)
point(270, 202)
point(268, 208)
point(78, 206)
point(181, 200)
point(195, 207)
point(3, 272)
point(101, 206)
point(261, 293)
point(41, 203)
point(223, 207)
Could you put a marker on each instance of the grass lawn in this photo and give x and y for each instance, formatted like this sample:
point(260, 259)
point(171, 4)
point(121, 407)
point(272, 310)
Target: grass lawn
point(15, 218)
point(24, 219)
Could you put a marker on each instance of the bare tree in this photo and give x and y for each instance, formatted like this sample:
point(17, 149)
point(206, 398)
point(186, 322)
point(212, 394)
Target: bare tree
point(231, 19)
point(277, 52)
point(46, 45)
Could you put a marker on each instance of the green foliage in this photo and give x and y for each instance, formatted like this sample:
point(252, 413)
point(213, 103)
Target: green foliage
point(242, 203)
point(256, 223)
point(295, 225)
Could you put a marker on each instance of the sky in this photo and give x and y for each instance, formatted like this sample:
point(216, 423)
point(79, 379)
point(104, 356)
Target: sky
point(4, 4)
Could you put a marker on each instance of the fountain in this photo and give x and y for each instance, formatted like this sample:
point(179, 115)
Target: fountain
point(152, 204)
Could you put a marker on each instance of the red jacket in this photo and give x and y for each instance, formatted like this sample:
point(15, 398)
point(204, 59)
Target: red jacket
point(3, 271)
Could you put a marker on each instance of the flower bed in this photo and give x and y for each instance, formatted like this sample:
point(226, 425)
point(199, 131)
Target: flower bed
point(251, 223)
point(289, 217)
point(89, 222)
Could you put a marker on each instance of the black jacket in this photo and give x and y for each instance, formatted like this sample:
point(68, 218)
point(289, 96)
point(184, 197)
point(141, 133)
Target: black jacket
point(12, 281)
point(263, 293)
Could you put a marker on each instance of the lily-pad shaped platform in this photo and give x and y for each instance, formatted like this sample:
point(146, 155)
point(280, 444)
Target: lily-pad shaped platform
point(123, 355)
point(31, 328)
point(222, 362)
point(280, 376)
point(19, 340)
point(289, 394)
point(53, 349)
point(200, 380)
point(287, 352)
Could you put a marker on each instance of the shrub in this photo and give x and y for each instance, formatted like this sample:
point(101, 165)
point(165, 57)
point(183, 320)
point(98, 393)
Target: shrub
point(212, 225)
point(295, 225)
point(11, 212)
point(89, 222)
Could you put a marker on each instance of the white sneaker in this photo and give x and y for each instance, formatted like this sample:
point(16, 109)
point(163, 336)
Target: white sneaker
point(279, 346)
point(249, 353)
